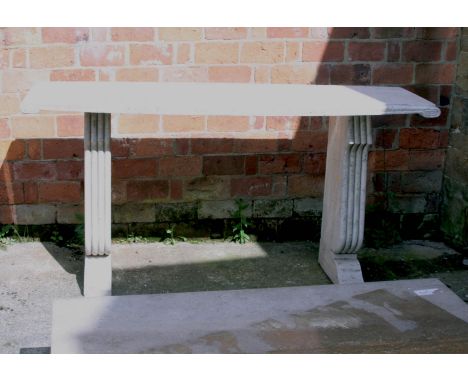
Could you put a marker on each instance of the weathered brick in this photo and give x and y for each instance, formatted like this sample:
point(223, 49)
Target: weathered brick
point(182, 146)
point(99, 34)
point(223, 165)
point(62, 148)
point(429, 92)
point(70, 125)
point(185, 123)
point(376, 161)
point(279, 164)
point(319, 51)
point(312, 73)
point(102, 55)
point(366, 51)
point(287, 32)
point(314, 164)
point(220, 209)
point(9, 104)
point(11, 192)
point(225, 33)
point(348, 32)
point(132, 34)
point(392, 32)
point(73, 75)
point(177, 189)
point(134, 213)
point(227, 123)
point(318, 33)
point(147, 190)
point(137, 74)
point(272, 208)
point(385, 138)
point(7, 214)
point(419, 121)
point(451, 51)
point(251, 165)
point(70, 214)
point(11, 150)
point(35, 214)
point(59, 192)
point(180, 34)
point(134, 168)
point(396, 160)
point(18, 58)
point(310, 141)
point(229, 73)
point(207, 188)
point(426, 159)
point(422, 51)
point(416, 138)
point(216, 53)
point(180, 166)
point(21, 80)
point(435, 73)
point(401, 74)
point(51, 57)
point(437, 33)
point(251, 186)
point(35, 170)
point(293, 51)
point(138, 123)
point(151, 54)
point(185, 74)
point(148, 147)
point(262, 74)
point(22, 36)
point(393, 51)
point(65, 35)
point(350, 74)
point(212, 145)
point(262, 52)
point(5, 130)
point(33, 126)
point(184, 53)
point(34, 149)
point(262, 144)
point(305, 185)
point(308, 206)
point(70, 170)
point(421, 181)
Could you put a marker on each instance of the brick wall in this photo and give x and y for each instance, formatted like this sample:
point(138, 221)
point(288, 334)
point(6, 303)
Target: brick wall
point(201, 162)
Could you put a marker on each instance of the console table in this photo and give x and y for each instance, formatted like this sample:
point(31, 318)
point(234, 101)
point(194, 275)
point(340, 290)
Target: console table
point(349, 138)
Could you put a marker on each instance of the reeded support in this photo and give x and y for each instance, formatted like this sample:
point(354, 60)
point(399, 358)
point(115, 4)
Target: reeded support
point(344, 198)
point(98, 270)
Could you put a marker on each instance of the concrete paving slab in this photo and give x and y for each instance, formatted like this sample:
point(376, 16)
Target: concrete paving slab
point(412, 316)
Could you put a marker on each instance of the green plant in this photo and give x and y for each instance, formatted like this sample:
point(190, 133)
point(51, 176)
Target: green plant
point(171, 237)
point(79, 230)
point(238, 230)
point(6, 231)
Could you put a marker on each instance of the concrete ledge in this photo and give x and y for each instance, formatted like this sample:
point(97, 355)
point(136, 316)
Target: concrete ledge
point(415, 316)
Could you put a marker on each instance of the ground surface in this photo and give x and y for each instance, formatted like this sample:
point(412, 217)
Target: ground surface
point(32, 275)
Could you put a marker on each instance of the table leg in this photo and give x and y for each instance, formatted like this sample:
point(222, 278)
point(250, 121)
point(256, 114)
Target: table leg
point(344, 198)
point(98, 270)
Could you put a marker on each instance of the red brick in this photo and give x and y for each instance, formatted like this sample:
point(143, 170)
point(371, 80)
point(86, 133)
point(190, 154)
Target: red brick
point(445, 95)
point(286, 123)
point(34, 149)
point(35, 170)
point(62, 148)
point(5, 131)
point(443, 139)
point(251, 165)
point(348, 32)
point(392, 32)
point(262, 52)
point(401, 74)
point(429, 92)
point(31, 192)
point(60, 192)
point(120, 147)
point(432, 33)
point(311, 73)
point(435, 73)
point(185, 74)
point(51, 57)
point(180, 166)
point(7, 214)
point(223, 165)
point(134, 168)
point(393, 51)
point(426, 159)
point(441, 120)
point(385, 138)
point(376, 161)
point(314, 164)
point(137, 74)
point(216, 53)
point(212, 145)
point(287, 32)
point(225, 33)
point(279, 164)
point(251, 186)
point(183, 123)
point(451, 51)
point(11, 193)
point(65, 35)
point(150, 54)
point(415, 138)
point(182, 146)
point(102, 55)
point(311, 141)
point(184, 53)
point(22, 36)
point(395, 120)
point(12, 150)
point(70, 126)
point(228, 123)
point(70, 170)
point(422, 51)
point(18, 58)
point(318, 51)
point(229, 73)
point(255, 145)
point(366, 51)
point(147, 190)
point(73, 75)
point(347, 74)
point(119, 191)
point(305, 185)
point(396, 160)
point(177, 191)
point(150, 147)
point(132, 34)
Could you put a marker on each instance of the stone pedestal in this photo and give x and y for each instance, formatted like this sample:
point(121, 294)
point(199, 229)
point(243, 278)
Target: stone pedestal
point(344, 198)
point(98, 271)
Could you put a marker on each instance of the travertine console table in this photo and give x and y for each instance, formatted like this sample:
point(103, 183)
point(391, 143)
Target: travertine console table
point(349, 138)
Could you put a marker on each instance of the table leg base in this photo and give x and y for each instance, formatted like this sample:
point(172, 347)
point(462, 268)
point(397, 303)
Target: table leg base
point(97, 276)
point(341, 268)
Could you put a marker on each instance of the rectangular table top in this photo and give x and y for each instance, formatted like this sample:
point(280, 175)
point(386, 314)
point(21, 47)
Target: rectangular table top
point(224, 99)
